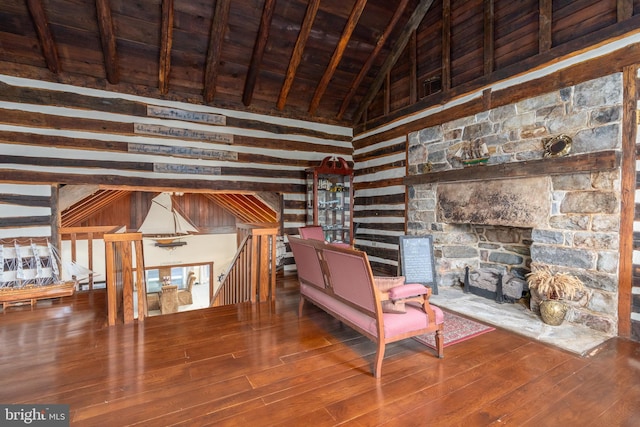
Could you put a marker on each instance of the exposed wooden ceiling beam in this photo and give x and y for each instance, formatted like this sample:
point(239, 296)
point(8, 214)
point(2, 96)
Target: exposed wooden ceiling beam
point(624, 10)
point(446, 45)
point(216, 37)
point(544, 26)
point(108, 39)
point(298, 50)
point(372, 57)
point(401, 43)
point(258, 51)
point(356, 12)
point(48, 45)
point(488, 37)
point(166, 42)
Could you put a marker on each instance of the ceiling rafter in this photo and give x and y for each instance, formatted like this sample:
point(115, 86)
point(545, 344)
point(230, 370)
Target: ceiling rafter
point(356, 12)
point(89, 206)
point(108, 40)
point(446, 45)
point(216, 37)
point(258, 51)
point(246, 207)
point(47, 43)
point(298, 50)
point(488, 44)
point(417, 16)
point(374, 54)
point(545, 19)
point(254, 208)
point(166, 43)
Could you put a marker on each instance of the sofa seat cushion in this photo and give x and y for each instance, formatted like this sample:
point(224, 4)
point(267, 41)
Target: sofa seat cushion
point(394, 324)
point(350, 314)
point(413, 320)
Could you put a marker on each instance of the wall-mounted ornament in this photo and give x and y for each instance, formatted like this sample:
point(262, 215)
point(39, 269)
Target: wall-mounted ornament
point(557, 146)
point(472, 153)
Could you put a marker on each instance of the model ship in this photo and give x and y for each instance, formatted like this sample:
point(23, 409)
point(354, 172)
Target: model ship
point(164, 224)
point(472, 153)
point(30, 272)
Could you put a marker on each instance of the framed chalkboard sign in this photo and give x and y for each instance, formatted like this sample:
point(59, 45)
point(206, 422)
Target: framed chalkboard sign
point(417, 264)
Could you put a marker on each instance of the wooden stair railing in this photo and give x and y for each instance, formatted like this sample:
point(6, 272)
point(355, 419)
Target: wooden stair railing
point(119, 248)
point(251, 275)
point(73, 234)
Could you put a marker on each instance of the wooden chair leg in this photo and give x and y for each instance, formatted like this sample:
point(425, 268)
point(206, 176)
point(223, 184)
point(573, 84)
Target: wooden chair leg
point(377, 370)
point(440, 341)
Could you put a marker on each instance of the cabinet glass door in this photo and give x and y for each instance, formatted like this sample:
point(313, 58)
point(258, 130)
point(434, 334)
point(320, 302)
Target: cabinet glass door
point(329, 200)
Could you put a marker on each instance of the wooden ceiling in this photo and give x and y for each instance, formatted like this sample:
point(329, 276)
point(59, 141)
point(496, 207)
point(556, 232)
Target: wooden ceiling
point(316, 60)
point(247, 208)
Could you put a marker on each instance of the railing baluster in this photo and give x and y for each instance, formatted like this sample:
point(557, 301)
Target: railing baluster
point(251, 275)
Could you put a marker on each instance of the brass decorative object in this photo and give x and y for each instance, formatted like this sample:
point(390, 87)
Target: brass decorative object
point(553, 312)
point(558, 146)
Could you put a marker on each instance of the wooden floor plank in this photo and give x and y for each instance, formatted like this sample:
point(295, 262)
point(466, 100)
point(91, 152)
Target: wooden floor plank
point(261, 365)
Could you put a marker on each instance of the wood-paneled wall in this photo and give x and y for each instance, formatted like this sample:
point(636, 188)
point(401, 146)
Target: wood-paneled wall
point(469, 45)
point(60, 134)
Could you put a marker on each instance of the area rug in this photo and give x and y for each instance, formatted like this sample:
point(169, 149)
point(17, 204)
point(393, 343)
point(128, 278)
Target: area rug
point(456, 329)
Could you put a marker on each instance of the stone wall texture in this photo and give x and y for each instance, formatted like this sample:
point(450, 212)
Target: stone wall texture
point(581, 232)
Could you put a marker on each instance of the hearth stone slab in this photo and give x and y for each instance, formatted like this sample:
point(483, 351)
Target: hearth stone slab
point(516, 318)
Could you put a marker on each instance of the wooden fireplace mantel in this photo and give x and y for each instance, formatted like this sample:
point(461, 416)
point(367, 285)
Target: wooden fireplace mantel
point(590, 162)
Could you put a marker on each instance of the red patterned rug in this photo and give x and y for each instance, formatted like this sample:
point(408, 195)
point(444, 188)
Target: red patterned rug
point(456, 329)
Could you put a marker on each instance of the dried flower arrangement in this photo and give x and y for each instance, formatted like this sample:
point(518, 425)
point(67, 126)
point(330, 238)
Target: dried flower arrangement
point(554, 285)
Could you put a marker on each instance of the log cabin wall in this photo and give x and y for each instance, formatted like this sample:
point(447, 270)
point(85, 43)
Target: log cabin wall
point(26, 211)
point(530, 48)
point(62, 134)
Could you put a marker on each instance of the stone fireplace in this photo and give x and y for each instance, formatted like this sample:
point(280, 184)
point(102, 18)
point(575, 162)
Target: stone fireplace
point(524, 206)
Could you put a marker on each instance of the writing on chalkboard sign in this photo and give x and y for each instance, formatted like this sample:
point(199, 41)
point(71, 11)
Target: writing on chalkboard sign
point(417, 262)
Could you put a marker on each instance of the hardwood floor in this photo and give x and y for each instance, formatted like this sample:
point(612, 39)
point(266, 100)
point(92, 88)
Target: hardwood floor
point(262, 366)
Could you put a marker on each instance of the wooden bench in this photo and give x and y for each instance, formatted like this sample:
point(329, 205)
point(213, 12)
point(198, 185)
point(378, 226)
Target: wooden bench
point(340, 281)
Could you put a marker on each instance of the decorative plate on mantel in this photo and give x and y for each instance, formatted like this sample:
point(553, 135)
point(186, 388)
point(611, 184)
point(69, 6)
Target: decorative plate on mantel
point(558, 146)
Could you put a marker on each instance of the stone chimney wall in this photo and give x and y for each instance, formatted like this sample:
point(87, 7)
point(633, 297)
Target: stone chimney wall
point(580, 233)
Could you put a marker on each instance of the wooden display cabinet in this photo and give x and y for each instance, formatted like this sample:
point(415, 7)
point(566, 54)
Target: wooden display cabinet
point(330, 199)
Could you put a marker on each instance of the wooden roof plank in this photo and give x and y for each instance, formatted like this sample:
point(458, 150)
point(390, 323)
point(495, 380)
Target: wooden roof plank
point(419, 13)
point(258, 51)
point(372, 57)
point(356, 12)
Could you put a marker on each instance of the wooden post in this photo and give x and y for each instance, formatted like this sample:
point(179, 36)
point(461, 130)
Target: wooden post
point(112, 302)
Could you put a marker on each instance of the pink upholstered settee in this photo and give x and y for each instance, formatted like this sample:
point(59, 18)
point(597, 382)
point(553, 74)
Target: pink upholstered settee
point(340, 281)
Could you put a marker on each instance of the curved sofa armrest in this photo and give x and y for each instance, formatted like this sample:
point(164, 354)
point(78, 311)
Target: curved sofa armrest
point(407, 291)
